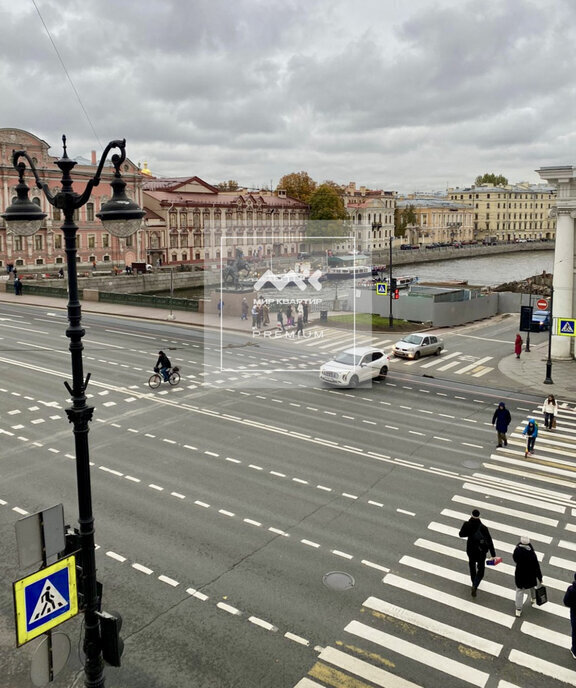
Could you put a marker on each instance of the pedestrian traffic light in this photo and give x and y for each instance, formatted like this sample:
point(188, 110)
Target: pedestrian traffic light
point(393, 284)
point(525, 318)
point(111, 642)
point(396, 294)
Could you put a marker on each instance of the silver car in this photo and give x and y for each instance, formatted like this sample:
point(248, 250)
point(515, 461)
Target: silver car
point(352, 366)
point(419, 344)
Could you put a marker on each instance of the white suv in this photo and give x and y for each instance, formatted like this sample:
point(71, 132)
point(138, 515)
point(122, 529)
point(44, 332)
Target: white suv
point(352, 366)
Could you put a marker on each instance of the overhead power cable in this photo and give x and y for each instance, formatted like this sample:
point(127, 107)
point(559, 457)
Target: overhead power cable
point(67, 74)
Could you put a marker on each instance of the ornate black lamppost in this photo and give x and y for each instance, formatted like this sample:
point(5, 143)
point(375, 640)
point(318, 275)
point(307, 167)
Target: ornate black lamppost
point(121, 217)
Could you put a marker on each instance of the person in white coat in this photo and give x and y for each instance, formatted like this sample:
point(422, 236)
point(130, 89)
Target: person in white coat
point(550, 411)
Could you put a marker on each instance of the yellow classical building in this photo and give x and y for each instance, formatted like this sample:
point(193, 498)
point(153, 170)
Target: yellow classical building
point(518, 212)
point(438, 221)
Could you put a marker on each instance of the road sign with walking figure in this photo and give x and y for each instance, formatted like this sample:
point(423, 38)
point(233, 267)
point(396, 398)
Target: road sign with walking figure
point(45, 599)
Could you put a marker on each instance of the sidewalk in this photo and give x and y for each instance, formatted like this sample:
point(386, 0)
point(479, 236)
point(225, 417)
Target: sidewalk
point(523, 375)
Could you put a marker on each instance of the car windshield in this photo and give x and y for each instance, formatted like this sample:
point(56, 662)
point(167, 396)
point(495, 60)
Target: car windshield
point(347, 358)
point(412, 339)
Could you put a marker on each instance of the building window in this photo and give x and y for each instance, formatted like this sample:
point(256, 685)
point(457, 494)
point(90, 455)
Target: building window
point(90, 212)
point(57, 241)
point(91, 241)
point(17, 243)
point(129, 241)
point(56, 214)
point(173, 240)
point(39, 261)
point(59, 260)
point(38, 242)
point(106, 259)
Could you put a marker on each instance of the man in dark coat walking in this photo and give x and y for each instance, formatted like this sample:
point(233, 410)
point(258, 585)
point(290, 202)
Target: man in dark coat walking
point(527, 574)
point(570, 601)
point(501, 419)
point(477, 546)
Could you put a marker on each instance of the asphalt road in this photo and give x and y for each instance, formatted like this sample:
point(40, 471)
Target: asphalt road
point(222, 504)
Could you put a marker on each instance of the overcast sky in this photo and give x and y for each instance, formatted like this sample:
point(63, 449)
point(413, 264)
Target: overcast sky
point(395, 94)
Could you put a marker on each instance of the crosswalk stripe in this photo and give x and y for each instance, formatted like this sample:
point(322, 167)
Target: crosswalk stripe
point(451, 575)
point(307, 683)
point(477, 363)
point(554, 465)
point(502, 568)
point(496, 525)
point(482, 372)
point(419, 654)
point(527, 474)
point(499, 545)
point(507, 684)
point(541, 666)
point(372, 673)
point(449, 365)
point(450, 600)
point(526, 515)
point(522, 499)
point(441, 359)
point(553, 637)
point(563, 563)
point(436, 627)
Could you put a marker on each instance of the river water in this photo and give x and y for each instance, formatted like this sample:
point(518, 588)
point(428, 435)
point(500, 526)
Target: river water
point(484, 270)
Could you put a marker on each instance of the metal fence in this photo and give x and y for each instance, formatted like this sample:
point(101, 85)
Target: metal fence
point(150, 301)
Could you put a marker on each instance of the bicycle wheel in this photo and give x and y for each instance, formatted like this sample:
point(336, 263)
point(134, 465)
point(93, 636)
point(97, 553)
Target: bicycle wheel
point(155, 381)
point(174, 378)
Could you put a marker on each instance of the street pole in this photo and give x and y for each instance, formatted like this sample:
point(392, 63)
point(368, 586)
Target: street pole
point(390, 317)
point(548, 380)
point(528, 334)
point(121, 217)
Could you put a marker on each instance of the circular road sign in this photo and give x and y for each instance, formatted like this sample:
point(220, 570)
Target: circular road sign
point(542, 304)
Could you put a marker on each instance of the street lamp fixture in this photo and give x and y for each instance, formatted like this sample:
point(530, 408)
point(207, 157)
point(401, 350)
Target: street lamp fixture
point(121, 217)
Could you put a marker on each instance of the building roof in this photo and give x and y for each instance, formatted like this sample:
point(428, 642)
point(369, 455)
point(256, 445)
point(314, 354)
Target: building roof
point(440, 203)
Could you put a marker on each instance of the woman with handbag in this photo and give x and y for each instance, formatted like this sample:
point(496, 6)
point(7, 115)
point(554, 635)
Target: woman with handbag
point(550, 411)
point(527, 574)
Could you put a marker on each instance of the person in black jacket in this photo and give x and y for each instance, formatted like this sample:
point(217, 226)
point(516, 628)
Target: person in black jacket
point(527, 573)
point(501, 419)
point(478, 544)
point(163, 364)
point(570, 601)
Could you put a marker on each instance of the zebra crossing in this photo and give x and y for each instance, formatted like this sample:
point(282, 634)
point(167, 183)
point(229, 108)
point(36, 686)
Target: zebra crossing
point(422, 629)
point(333, 341)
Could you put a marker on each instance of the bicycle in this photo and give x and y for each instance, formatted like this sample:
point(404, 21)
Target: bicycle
point(157, 379)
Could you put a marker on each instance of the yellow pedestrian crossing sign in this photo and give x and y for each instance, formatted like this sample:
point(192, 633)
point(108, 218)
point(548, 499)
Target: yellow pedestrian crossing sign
point(567, 327)
point(45, 599)
point(382, 288)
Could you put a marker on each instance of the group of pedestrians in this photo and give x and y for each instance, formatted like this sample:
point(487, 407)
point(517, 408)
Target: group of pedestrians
point(480, 548)
point(528, 578)
point(502, 419)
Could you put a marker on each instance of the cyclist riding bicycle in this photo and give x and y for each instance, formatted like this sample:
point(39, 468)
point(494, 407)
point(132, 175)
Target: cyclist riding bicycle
point(163, 365)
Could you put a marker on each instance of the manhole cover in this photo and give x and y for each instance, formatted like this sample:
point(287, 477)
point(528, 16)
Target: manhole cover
point(338, 580)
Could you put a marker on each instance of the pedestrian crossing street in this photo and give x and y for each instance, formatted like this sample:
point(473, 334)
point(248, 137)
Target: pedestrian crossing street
point(328, 341)
point(421, 628)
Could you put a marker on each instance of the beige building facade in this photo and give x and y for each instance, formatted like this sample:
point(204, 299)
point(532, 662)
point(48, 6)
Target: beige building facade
point(519, 212)
point(189, 220)
point(371, 218)
point(438, 221)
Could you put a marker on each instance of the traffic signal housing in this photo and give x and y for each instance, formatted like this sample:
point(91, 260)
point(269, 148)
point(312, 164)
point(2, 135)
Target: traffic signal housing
point(526, 318)
point(396, 294)
point(112, 643)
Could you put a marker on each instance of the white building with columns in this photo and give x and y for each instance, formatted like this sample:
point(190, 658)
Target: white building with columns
point(563, 177)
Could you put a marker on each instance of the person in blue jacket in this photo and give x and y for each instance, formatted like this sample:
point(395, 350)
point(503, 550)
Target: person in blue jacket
point(531, 432)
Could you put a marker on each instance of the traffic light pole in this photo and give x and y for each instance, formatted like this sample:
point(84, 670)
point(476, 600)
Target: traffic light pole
point(390, 317)
point(549, 380)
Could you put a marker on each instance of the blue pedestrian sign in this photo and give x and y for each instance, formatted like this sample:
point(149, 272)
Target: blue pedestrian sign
point(45, 599)
point(382, 288)
point(567, 327)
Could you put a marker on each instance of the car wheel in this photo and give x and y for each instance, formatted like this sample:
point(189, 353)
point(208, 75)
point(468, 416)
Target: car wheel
point(437, 352)
point(416, 355)
point(354, 381)
point(383, 372)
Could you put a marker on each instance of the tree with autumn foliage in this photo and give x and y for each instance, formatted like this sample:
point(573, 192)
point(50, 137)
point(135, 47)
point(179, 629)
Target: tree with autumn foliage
point(299, 185)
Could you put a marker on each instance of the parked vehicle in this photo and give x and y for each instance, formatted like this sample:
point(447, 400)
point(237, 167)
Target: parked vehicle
point(418, 344)
point(540, 321)
point(355, 365)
